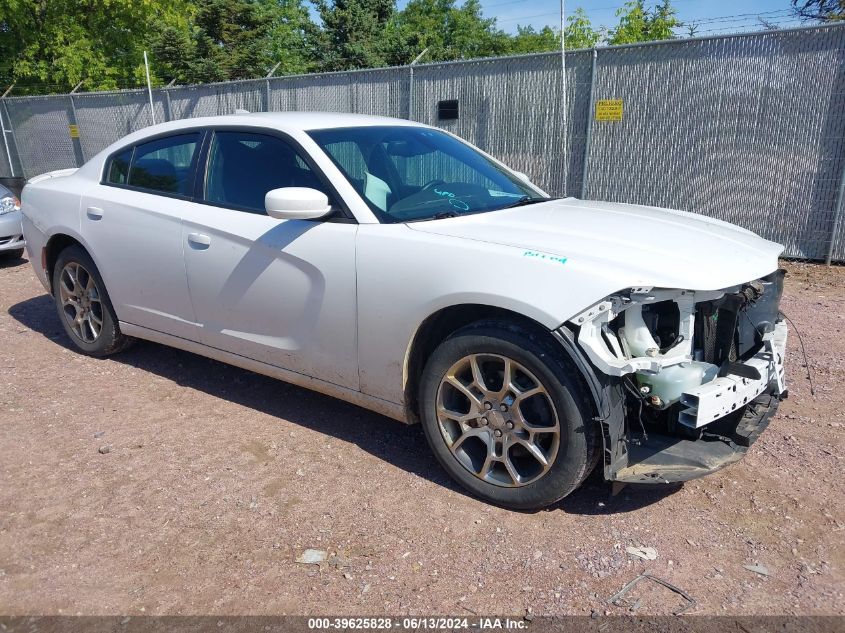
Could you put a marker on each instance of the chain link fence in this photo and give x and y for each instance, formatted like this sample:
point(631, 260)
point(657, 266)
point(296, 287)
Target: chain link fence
point(747, 128)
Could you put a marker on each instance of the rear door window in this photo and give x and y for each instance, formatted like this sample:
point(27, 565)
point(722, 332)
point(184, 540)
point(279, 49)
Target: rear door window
point(165, 165)
point(118, 171)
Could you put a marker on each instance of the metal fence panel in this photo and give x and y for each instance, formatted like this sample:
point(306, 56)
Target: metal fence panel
point(511, 108)
point(217, 99)
point(41, 129)
point(745, 129)
point(382, 92)
point(103, 118)
point(320, 93)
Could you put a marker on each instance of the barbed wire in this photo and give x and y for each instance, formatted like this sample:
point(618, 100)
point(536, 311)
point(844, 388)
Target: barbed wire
point(722, 18)
point(756, 26)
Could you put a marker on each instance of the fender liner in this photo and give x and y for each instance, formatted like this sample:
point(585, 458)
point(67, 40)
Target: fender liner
point(609, 405)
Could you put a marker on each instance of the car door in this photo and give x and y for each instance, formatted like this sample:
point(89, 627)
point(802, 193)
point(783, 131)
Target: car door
point(132, 222)
point(278, 291)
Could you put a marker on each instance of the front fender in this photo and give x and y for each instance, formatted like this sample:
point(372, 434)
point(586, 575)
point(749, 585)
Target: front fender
point(404, 276)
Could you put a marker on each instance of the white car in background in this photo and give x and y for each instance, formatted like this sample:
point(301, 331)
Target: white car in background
point(393, 265)
point(11, 235)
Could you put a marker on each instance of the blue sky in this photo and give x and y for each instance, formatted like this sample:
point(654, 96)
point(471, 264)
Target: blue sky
point(716, 16)
point(721, 16)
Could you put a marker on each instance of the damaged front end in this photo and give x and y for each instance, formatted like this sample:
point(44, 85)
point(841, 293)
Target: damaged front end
point(684, 380)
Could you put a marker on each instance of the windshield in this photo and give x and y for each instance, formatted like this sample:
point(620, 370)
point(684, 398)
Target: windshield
point(408, 173)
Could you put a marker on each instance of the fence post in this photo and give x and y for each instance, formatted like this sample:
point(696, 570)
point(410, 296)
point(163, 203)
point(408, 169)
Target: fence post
point(14, 140)
point(149, 89)
point(837, 218)
point(410, 92)
point(267, 86)
point(168, 104)
point(590, 116)
point(411, 83)
point(564, 102)
point(75, 140)
point(3, 133)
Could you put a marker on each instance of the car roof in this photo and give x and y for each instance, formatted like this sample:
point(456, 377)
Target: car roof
point(290, 122)
point(320, 120)
point(285, 121)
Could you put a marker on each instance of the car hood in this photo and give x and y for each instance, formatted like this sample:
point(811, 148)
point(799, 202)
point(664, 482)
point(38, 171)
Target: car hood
point(634, 245)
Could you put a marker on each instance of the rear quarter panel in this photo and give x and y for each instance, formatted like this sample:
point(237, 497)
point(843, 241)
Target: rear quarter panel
point(51, 207)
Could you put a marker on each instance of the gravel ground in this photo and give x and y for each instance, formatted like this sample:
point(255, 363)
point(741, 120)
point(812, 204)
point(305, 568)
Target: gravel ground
point(160, 482)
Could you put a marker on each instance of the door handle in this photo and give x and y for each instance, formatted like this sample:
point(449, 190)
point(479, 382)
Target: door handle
point(199, 241)
point(94, 213)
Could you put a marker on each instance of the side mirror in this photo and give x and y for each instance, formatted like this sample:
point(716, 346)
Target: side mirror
point(296, 203)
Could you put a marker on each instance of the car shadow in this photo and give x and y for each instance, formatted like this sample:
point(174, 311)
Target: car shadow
point(597, 497)
point(401, 445)
point(12, 262)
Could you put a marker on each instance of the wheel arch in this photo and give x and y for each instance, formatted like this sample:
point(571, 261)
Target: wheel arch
point(439, 325)
point(55, 245)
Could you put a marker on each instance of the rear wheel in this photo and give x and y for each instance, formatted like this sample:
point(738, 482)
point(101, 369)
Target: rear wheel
point(83, 304)
point(506, 417)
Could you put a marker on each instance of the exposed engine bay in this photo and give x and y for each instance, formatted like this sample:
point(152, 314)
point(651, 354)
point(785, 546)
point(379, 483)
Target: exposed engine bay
point(699, 374)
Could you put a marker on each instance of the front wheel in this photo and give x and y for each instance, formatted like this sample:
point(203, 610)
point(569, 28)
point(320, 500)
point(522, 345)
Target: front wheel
point(506, 417)
point(83, 304)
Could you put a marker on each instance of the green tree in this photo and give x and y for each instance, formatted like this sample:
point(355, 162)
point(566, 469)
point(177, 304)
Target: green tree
point(173, 54)
point(579, 34)
point(234, 39)
point(640, 24)
point(821, 10)
point(528, 40)
point(447, 30)
point(231, 39)
point(471, 35)
point(662, 22)
point(352, 33)
point(51, 45)
point(291, 34)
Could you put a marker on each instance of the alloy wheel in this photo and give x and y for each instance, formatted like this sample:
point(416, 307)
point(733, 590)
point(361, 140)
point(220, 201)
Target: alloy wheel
point(498, 420)
point(81, 303)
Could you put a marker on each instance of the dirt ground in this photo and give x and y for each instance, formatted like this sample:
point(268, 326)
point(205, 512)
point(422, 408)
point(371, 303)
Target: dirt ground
point(216, 480)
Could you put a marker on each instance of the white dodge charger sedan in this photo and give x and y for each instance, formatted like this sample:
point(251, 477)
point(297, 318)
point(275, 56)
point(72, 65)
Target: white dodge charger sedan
point(395, 266)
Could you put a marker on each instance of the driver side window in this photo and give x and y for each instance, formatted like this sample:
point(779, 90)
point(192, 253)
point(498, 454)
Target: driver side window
point(244, 166)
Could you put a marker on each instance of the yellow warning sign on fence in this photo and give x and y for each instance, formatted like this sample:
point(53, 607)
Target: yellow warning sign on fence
point(609, 110)
point(74, 131)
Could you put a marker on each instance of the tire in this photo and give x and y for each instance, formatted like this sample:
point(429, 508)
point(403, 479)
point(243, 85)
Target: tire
point(97, 332)
point(570, 457)
point(11, 255)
